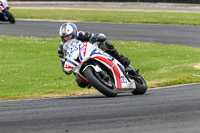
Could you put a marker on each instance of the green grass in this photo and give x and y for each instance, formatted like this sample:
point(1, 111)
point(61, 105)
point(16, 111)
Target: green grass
point(156, 17)
point(30, 67)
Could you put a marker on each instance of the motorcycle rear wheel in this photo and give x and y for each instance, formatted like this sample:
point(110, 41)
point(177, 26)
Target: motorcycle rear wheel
point(100, 86)
point(140, 83)
point(141, 86)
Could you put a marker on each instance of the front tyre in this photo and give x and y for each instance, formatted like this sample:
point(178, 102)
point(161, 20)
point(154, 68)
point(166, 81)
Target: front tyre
point(11, 18)
point(106, 87)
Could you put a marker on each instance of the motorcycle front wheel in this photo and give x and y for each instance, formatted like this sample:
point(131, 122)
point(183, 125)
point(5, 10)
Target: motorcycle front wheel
point(11, 18)
point(106, 87)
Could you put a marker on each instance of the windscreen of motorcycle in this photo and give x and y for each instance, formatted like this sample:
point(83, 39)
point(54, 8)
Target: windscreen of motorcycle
point(70, 46)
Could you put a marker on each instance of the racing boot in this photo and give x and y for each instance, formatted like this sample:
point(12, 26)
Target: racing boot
point(124, 60)
point(112, 51)
point(79, 82)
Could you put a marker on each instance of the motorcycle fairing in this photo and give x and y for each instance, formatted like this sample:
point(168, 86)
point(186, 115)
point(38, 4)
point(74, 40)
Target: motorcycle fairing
point(82, 50)
point(115, 70)
point(86, 52)
point(102, 56)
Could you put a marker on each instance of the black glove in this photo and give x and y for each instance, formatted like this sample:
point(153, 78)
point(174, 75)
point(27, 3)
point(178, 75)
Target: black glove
point(84, 36)
point(93, 39)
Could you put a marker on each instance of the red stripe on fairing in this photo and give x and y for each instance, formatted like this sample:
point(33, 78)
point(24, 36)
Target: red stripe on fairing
point(115, 69)
point(68, 67)
point(83, 79)
point(85, 45)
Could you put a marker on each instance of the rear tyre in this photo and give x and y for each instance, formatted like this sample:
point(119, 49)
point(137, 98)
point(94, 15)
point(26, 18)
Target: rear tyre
point(141, 86)
point(140, 83)
point(106, 87)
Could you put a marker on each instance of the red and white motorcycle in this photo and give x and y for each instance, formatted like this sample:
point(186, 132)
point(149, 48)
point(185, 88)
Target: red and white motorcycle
point(100, 70)
point(5, 14)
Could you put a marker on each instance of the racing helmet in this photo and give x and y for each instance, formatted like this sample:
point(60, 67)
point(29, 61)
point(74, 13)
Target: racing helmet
point(67, 29)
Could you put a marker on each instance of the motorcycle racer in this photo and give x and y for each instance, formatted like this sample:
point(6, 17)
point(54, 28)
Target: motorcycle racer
point(5, 14)
point(69, 31)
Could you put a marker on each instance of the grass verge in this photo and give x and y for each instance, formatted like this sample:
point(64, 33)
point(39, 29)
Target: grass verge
point(84, 15)
point(30, 67)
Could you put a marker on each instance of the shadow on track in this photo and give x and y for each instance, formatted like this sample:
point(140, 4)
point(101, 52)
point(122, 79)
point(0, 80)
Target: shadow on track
point(99, 96)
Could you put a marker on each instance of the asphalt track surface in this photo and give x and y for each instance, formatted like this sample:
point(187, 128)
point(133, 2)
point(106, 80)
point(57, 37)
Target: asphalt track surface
point(160, 110)
point(165, 34)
